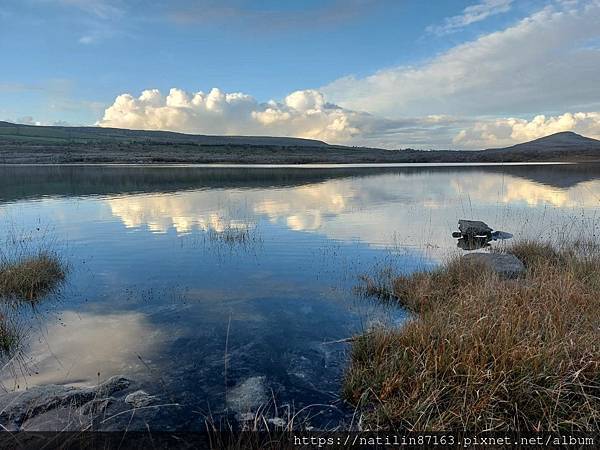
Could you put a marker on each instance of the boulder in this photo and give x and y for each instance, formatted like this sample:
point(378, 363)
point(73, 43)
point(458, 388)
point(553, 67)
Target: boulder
point(505, 265)
point(469, 228)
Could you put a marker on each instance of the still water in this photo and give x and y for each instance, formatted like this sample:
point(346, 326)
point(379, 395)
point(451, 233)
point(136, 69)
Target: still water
point(222, 289)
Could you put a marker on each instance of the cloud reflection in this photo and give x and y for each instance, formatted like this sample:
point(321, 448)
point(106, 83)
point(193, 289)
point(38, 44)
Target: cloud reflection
point(82, 345)
point(375, 209)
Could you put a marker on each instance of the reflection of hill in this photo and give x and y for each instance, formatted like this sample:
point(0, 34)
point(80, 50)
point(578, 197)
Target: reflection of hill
point(558, 176)
point(23, 182)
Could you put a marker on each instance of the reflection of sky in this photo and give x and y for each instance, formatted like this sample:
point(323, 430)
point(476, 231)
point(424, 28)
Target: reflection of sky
point(147, 283)
point(381, 210)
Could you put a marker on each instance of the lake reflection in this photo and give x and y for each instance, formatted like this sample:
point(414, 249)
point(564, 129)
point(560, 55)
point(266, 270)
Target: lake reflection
point(170, 263)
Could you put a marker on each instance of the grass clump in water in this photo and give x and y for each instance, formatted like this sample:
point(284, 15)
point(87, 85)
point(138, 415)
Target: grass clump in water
point(485, 353)
point(9, 338)
point(29, 278)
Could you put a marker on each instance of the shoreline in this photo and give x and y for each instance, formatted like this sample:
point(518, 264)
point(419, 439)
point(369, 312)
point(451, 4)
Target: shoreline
point(300, 165)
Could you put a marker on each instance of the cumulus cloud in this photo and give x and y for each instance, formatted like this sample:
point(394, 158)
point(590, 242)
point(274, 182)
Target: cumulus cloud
point(472, 14)
point(301, 114)
point(504, 132)
point(545, 62)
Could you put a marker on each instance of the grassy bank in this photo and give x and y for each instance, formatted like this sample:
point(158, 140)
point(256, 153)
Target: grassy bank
point(484, 353)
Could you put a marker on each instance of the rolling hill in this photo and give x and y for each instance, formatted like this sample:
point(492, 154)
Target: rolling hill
point(99, 134)
point(27, 144)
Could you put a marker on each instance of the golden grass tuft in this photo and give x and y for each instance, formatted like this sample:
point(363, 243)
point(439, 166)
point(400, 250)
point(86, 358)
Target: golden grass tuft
point(484, 353)
point(30, 278)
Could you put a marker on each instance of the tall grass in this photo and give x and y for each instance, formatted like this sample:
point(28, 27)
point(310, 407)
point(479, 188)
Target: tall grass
point(29, 270)
point(485, 353)
point(31, 277)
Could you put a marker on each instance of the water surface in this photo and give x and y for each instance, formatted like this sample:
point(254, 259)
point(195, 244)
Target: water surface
point(220, 288)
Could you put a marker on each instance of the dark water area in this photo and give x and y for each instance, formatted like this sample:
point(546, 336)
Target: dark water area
point(222, 289)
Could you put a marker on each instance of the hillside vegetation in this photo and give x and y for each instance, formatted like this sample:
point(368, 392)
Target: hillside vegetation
point(25, 144)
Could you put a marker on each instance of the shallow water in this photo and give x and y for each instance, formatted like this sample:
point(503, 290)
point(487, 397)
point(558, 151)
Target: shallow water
point(223, 288)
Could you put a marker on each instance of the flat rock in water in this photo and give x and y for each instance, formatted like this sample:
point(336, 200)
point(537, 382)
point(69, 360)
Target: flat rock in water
point(139, 399)
point(474, 228)
point(248, 395)
point(505, 265)
point(17, 407)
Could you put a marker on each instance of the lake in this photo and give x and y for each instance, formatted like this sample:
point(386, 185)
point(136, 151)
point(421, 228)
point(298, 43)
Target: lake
point(222, 289)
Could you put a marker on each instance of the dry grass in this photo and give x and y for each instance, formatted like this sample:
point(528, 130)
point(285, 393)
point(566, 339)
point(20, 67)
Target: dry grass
point(30, 278)
point(25, 279)
point(483, 353)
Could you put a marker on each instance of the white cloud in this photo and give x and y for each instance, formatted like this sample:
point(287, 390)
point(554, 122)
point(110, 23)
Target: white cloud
point(542, 63)
point(472, 14)
point(504, 132)
point(545, 63)
point(301, 114)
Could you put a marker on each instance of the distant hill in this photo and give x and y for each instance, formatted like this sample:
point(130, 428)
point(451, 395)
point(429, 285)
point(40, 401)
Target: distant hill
point(27, 144)
point(563, 141)
point(95, 134)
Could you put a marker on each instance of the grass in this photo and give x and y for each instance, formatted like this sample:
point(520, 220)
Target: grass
point(9, 338)
point(485, 353)
point(32, 277)
point(29, 270)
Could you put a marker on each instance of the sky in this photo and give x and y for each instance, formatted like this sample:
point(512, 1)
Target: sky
point(382, 73)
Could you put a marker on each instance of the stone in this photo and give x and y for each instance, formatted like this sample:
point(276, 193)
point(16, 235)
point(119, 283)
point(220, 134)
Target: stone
point(501, 235)
point(139, 399)
point(96, 406)
point(474, 228)
point(19, 406)
point(278, 422)
point(473, 243)
point(248, 395)
point(505, 265)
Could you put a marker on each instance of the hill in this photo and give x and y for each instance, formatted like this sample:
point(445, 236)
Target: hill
point(563, 146)
point(563, 141)
point(55, 134)
point(26, 144)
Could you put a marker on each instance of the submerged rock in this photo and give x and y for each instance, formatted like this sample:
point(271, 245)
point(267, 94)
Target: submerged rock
point(474, 228)
point(505, 265)
point(17, 407)
point(248, 395)
point(139, 399)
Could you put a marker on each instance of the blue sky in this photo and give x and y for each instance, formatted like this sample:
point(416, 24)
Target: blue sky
point(362, 72)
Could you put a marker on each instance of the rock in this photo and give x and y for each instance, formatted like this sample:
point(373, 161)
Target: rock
point(501, 235)
point(505, 265)
point(138, 399)
point(17, 407)
point(473, 242)
point(96, 406)
point(248, 395)
point(278, 422)
point(474, 228)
